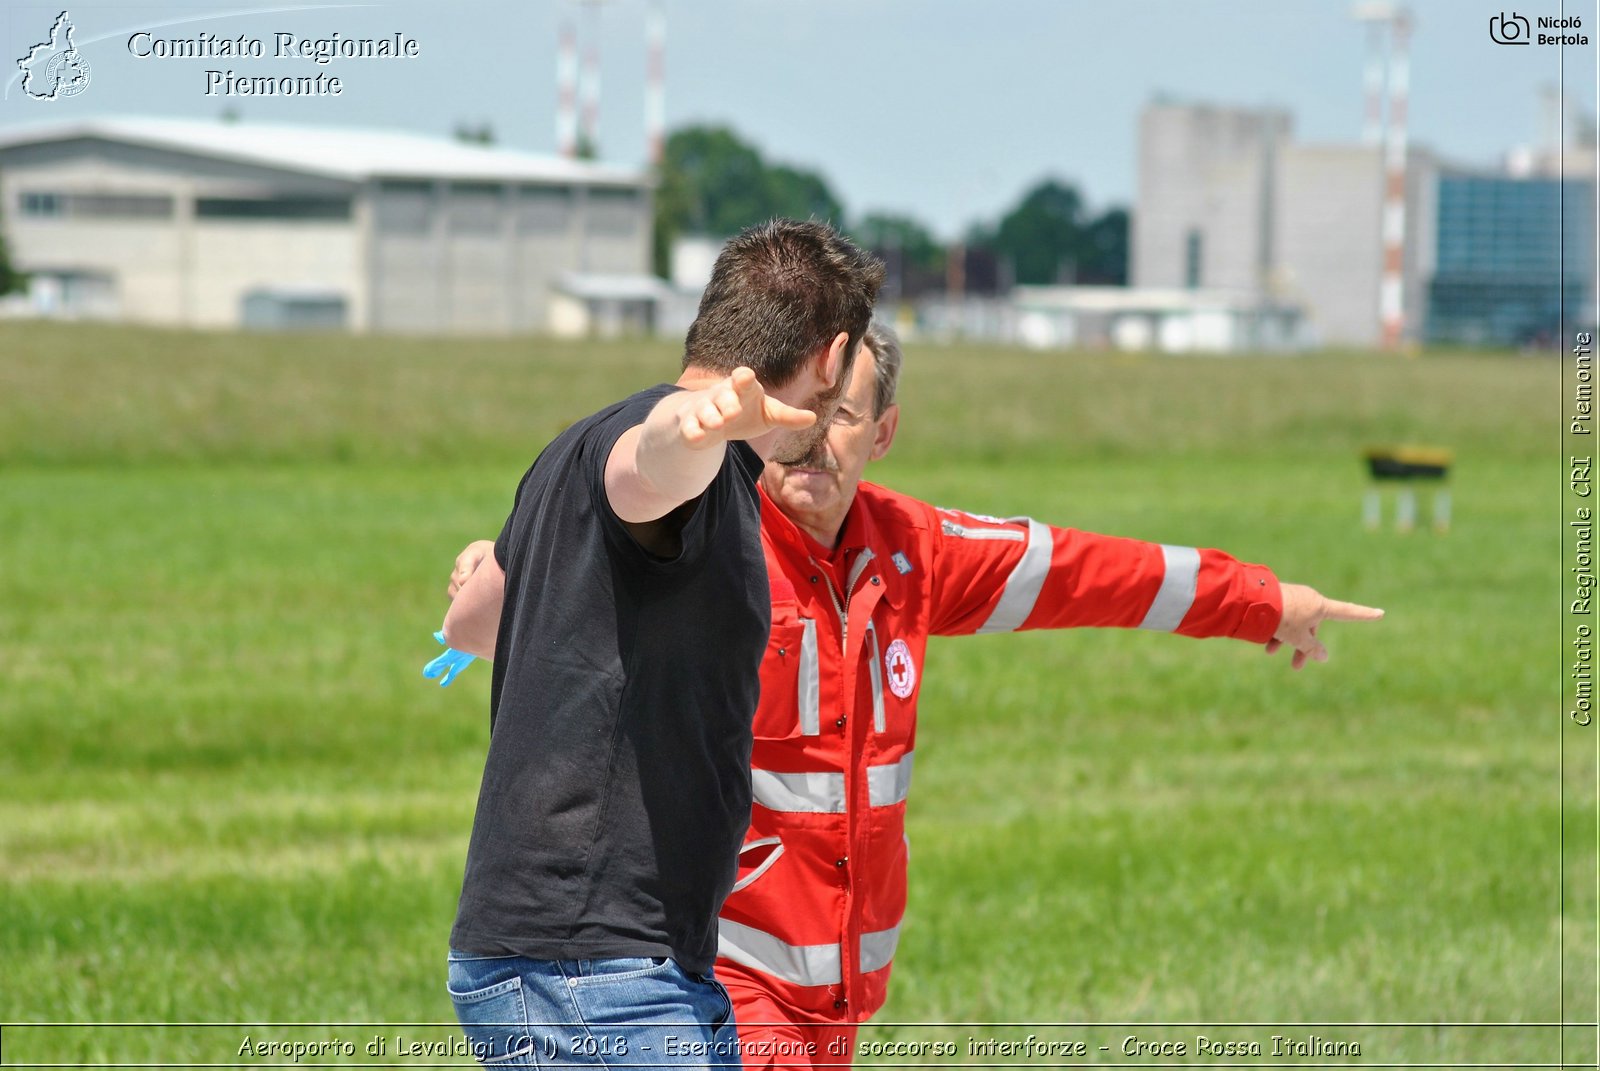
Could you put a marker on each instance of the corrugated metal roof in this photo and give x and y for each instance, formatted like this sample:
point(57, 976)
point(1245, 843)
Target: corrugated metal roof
point(338, 152)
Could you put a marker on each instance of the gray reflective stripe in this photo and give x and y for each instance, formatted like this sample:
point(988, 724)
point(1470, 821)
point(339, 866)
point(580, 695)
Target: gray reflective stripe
point(810, 793)
point(765, 863)
point(823, 792)
point(757, 949)
point(1172, 602)
point(1025, 582)
point(875, 671)
point(801, 964)
point(810, 685)
point(877, 949)
point(951, 528)
point(889, 784)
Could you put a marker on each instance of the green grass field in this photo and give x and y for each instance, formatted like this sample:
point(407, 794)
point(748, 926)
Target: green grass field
point(227, 795)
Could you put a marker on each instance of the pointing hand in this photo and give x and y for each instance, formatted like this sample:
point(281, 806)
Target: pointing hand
point(737, 407)
point(1304, 611)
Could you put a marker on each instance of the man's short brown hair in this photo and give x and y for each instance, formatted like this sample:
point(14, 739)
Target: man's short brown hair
point(779, 292)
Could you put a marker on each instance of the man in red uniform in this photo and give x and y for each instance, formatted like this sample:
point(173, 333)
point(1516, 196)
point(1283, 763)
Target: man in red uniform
point(860, 577)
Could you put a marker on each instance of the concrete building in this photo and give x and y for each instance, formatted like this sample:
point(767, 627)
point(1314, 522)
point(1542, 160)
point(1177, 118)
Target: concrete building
point(1499, 256)
point(1328, 248)
point(1204, 202)
point(223, 225)
point(1227, 200)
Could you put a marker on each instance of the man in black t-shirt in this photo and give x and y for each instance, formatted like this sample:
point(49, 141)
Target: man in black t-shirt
point(617, 787)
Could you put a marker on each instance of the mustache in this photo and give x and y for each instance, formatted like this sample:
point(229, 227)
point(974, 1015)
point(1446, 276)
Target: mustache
point(816, 458)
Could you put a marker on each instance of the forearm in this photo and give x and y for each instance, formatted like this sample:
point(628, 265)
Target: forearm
point(655, 467)
point(472, 624)
point(1235, 599)
point(1129, 583)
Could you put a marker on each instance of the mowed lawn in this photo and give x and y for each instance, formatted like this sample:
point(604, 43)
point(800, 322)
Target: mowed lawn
point(228, 796)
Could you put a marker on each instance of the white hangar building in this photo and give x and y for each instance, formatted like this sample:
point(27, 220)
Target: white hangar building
point(220, 225)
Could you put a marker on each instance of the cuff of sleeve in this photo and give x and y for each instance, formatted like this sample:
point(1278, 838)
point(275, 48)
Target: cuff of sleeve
point(1261, 617)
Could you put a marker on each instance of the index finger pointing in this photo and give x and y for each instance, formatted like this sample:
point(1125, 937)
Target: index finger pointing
point(786, 416)
point(1334, 610)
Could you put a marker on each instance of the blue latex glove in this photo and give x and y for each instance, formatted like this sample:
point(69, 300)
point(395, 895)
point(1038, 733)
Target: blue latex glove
point(451, 663)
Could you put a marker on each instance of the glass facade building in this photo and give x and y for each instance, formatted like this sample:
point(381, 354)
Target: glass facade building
point(1504, 247)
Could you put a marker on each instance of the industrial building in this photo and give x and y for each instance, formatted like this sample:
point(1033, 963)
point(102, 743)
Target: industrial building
point(1516, 254)
point(1371, 255)
point(1204, 201)
point(221, 225)
point(1228, 201)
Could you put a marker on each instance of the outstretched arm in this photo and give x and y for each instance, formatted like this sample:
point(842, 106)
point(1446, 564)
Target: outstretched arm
point(673, 456)
point(1004, 575)
point(1000, 576)
point(1304, 611)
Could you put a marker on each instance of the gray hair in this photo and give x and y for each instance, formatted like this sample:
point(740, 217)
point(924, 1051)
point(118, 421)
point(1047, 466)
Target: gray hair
point(885, 346)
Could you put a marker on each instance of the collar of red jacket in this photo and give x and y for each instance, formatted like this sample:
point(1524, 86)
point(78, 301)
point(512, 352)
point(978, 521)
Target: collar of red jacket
point(861, 531)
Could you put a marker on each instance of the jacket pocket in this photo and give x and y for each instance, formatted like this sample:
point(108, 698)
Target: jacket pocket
point(755, 859)
point(791, 683)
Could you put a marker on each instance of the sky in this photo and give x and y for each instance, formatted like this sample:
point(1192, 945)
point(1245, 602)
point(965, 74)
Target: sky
point(947, 110)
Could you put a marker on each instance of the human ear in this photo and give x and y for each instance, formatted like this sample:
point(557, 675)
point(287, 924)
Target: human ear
point(833, 361)
point(883, 433)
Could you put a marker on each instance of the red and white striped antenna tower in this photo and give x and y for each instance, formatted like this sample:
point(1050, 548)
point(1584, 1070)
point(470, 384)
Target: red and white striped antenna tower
point(567, 92)
point(1391, 286)
point(655, 85)
point(589, 78)
point(1372, 83)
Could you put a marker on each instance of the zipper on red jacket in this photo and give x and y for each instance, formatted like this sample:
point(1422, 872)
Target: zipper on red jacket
point(841, 605)
point(849, 948)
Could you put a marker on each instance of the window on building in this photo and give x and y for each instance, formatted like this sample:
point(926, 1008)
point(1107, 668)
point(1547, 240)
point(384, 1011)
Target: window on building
point(119, 206)
point(613, 212)
point(1514, 256)
point(39, 205)
point(290, 310)
point(273, 208)
point(476, 208)
point(404, 206)
point(544, 209)
point(1191, 260)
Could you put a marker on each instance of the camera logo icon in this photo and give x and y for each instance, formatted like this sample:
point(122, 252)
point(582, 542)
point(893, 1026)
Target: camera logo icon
point(1512, 29)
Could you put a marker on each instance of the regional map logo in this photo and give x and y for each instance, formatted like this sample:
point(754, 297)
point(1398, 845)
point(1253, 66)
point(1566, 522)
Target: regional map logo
point(54, 68)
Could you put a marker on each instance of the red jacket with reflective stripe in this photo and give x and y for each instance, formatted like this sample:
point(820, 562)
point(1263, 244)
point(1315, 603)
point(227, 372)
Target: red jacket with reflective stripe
point(815, 915)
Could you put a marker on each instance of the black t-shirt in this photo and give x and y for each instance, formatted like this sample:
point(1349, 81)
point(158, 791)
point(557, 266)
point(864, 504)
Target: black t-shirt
point(617, 786)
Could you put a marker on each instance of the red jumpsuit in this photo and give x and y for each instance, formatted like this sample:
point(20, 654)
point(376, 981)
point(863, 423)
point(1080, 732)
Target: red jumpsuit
point(807, 935)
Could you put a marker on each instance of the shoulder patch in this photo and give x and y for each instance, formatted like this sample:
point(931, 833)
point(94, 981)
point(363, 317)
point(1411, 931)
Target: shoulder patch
point(902, 670)
point(901, 562)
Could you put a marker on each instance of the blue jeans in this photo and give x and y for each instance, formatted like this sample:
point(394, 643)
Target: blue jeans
point(633, 1012)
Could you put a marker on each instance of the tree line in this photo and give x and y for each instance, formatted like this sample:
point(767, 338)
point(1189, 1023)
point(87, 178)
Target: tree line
point(713, 183)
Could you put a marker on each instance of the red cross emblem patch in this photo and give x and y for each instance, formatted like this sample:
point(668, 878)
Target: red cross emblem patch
point(902, 671)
